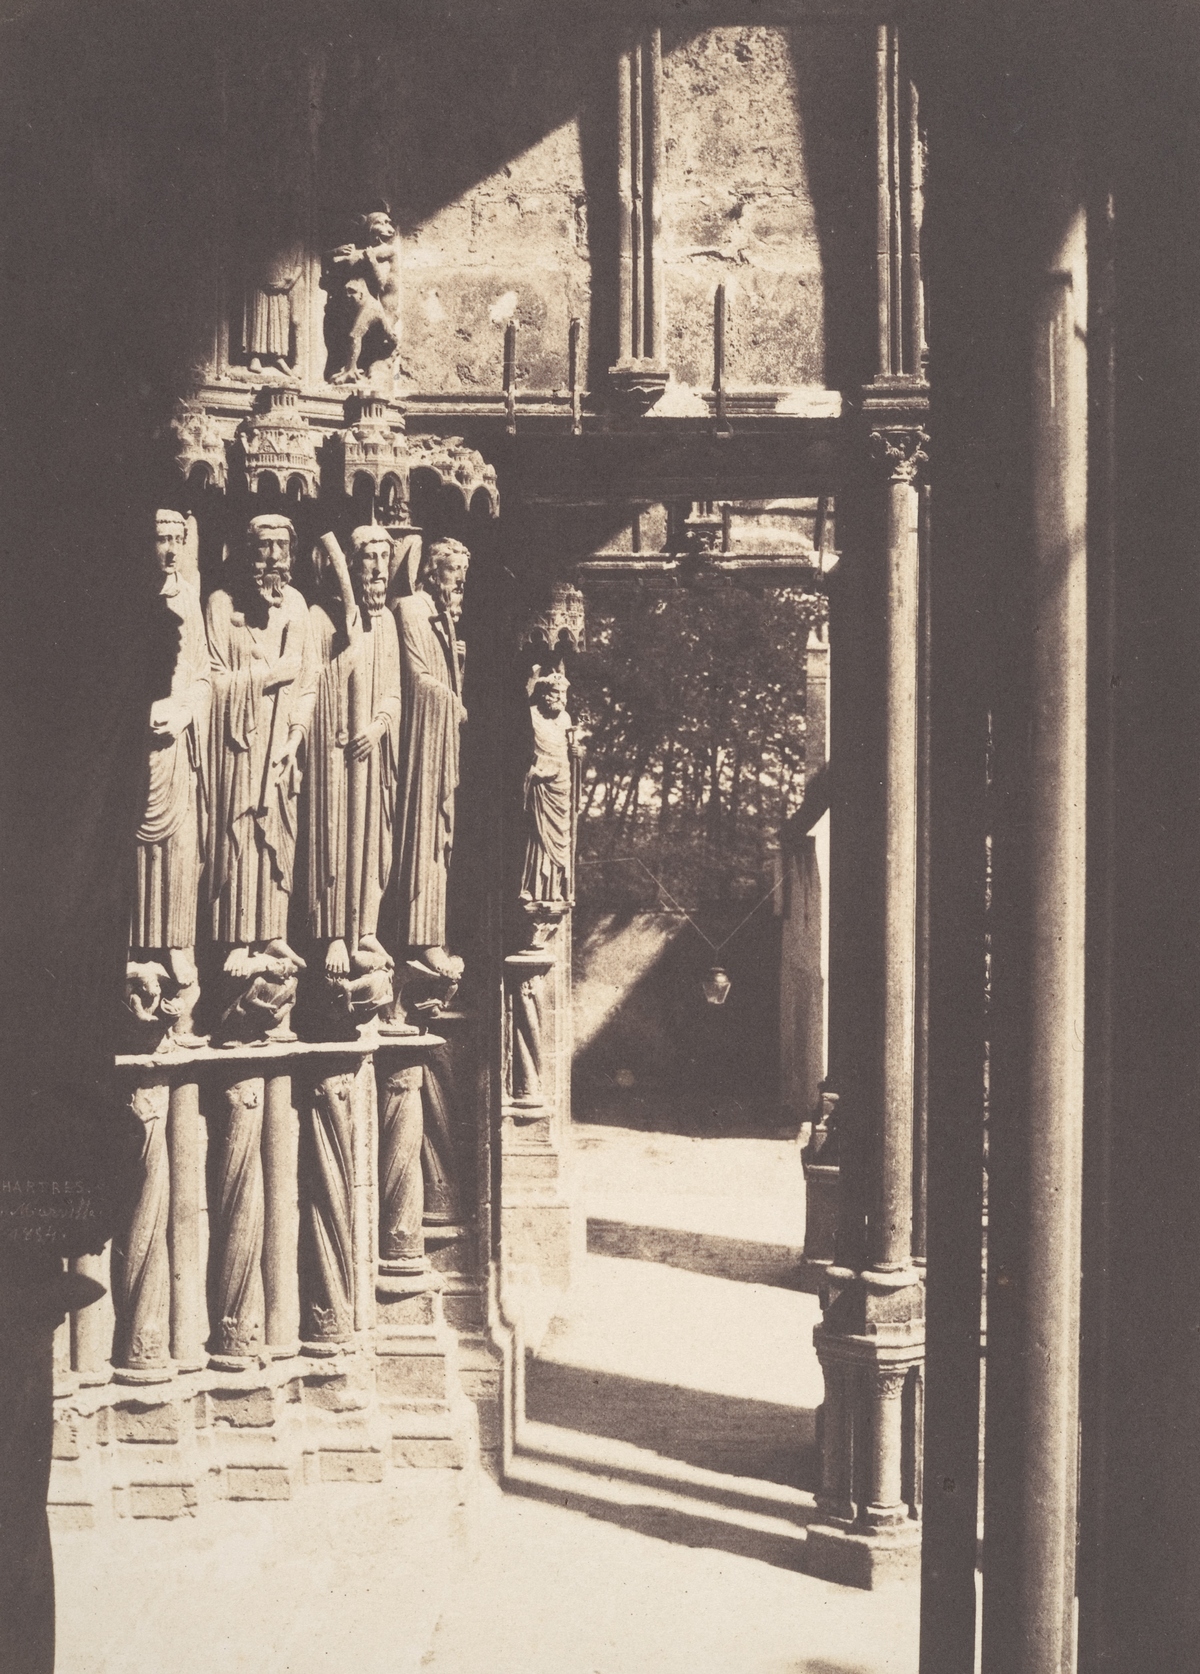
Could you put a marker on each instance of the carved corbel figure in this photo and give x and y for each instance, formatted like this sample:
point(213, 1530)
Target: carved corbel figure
point(350, 789)
point(263, 686)
point(362, 315)
point(162, 986)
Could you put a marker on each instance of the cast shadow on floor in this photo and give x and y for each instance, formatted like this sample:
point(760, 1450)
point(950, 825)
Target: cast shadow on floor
point(709, 1253)
point(694, 1113)
point(729, 1434)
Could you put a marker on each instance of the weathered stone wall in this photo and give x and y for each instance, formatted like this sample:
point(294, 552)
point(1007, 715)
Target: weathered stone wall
point(744, 203)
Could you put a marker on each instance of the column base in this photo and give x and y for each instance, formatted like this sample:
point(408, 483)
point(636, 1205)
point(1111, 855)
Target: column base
point(863, 1558)
point(135, 1375)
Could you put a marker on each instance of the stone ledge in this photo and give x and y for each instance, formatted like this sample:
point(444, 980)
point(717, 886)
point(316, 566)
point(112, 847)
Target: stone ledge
point(856, 1559)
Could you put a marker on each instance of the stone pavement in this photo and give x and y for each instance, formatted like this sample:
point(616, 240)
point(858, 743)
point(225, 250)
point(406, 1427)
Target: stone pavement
point(658, 1502)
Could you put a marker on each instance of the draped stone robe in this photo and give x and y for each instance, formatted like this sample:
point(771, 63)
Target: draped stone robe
point(251, 847)
point(168, 835)
point(548, 793)
point(432, 716)
point(325, 777)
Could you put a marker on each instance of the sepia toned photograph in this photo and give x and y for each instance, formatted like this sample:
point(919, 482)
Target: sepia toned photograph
point(600, 837)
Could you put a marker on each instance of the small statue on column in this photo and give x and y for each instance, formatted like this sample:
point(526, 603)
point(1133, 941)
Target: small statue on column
point(551, 802)
point(162, 986)
point(350, 783)
point(267, 321)
point(263, 688)
point(433, 713)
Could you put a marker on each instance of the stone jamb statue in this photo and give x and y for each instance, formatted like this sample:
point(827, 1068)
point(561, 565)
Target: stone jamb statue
point(433, 714)
point(551, 803)
point(260, 646)
point(162, 985)
point(350, 777)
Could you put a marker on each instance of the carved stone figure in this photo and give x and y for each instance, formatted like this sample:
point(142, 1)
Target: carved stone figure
point(362, 316)
point(433, 713)
point(550, 794)
point(261, 657)
point(350, 780)
point(162, 984)
point(267, 320)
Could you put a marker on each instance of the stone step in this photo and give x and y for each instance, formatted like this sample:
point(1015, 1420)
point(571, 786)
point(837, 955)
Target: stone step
point(662, 1505)
point(625, 1461)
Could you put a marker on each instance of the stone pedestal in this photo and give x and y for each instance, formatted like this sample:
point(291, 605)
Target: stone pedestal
point(871, 1345)
point(536, 1220)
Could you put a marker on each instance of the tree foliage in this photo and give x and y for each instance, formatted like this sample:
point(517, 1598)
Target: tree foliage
point(694, 697)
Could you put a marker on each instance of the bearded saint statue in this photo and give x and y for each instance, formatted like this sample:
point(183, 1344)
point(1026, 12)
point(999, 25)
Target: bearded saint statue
point(433, 713)
point(263, 690)
point(162, 982)
point(350, 778)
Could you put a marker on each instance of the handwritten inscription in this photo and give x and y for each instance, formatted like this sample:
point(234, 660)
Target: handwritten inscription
point(42, 1211)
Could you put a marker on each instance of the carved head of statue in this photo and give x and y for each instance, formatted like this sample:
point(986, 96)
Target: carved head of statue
point(378, 226)
point(444, 575)
point(271, 541)
point(170, 550)
point(371, 566)
point(549, 691)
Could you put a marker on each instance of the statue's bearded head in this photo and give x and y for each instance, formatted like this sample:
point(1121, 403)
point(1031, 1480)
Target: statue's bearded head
point(550, 692)
point(170, 548)
point(371, 566)
point(445, 576)
point(271, 542)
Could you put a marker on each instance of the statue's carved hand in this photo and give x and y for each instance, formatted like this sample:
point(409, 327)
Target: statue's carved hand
point(279, 674)
point(366, 742)
point(462, 715)
point(285, 761)
point(168, 718)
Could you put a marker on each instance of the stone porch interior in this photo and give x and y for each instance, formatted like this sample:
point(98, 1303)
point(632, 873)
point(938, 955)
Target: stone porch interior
point(667, 1446)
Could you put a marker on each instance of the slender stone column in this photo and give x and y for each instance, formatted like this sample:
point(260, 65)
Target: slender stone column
point(144, 1292)
point(439, 1162)
point(328, 1210)
point(189, 1314)
point(871, 1337)
point(281, 1216)
point(239, 1227)
point(401, 1185)
point(527, 1041)
point(92, 1327)
point(886, 1506)
point(640, 371)
point(1031, 1436)
point(890, 1241)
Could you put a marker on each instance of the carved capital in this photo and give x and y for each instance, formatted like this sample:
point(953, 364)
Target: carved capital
point(890, 1382)
point(199, 442)
point(560, 624)
point(456, 466)
point(374, 447)
point(901, 449)
point(277, 442)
